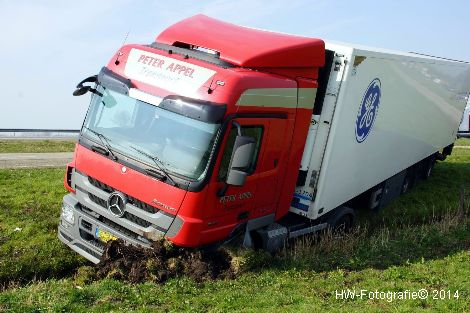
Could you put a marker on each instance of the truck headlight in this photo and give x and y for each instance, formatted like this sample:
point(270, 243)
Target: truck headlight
point(67, 213)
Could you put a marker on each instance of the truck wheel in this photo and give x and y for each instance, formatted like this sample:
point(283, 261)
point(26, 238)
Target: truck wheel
point(342, 221)
point(343, 225)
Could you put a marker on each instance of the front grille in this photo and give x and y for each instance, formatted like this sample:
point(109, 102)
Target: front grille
point(88, 250)
point(98, 200)
point(141, 205)
point(100, 185)
point(88, 187)
point(118, 227)
point(98, 244)
point(86, 225)
point(86, 235)
point(128, 216)
point(91, 240)
point(112, 224)
point(136, 220)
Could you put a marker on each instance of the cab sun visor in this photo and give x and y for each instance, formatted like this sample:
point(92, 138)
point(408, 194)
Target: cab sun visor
point(111, 80)
point(205, 111)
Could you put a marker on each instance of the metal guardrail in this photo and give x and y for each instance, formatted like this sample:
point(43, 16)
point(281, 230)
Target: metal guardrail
point(8, 133)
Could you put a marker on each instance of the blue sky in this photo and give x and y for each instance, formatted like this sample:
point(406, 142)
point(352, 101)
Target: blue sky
point(48, 46)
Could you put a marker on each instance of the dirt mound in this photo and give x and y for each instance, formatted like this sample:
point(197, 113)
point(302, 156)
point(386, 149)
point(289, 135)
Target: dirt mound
point(161, 262)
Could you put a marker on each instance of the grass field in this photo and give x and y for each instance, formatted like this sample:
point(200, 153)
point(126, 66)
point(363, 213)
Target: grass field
point(34, 146)
point(12, 146)
point(462, 142)
point(422, 240)
point(29, 209)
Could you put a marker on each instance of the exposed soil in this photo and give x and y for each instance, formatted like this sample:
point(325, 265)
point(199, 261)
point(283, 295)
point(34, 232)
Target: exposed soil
point(161, 262)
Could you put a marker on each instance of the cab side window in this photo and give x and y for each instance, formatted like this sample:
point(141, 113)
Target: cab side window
point(253, 131)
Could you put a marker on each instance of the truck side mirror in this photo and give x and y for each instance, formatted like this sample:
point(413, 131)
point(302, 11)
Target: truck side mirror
point(81, 89)
point(242, 156)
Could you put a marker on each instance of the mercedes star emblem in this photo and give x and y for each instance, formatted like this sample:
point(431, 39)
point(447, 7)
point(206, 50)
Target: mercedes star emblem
point(117, 204)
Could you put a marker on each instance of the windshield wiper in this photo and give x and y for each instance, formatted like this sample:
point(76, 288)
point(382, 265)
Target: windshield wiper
point(159, 163)
point(105, 141)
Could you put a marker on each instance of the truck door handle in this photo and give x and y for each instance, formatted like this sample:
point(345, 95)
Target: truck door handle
point(243, 215)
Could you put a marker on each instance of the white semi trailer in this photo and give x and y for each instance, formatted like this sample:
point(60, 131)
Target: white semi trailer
point(379, 123)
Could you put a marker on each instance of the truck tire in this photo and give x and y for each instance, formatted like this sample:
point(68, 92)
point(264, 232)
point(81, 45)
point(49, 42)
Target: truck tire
point(342, 220)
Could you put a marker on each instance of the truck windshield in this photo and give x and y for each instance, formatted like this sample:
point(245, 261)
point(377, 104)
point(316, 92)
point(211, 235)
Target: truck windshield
point(182, 144)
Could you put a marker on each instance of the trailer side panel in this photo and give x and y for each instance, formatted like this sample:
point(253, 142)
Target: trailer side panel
point(393, 110)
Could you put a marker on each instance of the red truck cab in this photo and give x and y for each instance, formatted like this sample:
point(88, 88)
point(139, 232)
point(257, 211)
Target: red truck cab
point(195, 137)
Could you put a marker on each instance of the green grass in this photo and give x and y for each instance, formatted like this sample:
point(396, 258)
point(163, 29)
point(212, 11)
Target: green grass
point(462, 142)
point(422, 240)
point(30, 202)
point(290, 283)
point(33, 146)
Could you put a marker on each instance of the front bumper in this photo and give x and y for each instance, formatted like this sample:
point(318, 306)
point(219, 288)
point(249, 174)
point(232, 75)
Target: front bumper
point(140, 225)
point(81, 237)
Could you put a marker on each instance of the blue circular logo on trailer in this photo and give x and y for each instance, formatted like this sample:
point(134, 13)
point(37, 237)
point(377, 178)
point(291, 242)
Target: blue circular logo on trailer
point(368, 110)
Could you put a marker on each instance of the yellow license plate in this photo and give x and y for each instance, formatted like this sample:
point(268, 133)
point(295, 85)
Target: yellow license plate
point(104, 235)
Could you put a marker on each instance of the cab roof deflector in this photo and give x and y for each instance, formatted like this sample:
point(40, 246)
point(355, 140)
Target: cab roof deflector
point(246, 47)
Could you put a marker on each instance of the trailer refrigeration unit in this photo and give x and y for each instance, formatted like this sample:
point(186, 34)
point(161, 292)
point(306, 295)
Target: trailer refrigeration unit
point(216, 131)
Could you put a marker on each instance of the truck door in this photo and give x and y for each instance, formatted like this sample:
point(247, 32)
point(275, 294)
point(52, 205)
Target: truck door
point(271, 167)
point(260, 192)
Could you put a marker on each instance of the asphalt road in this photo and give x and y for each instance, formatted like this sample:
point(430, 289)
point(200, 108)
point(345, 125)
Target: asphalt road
point(34, 160)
